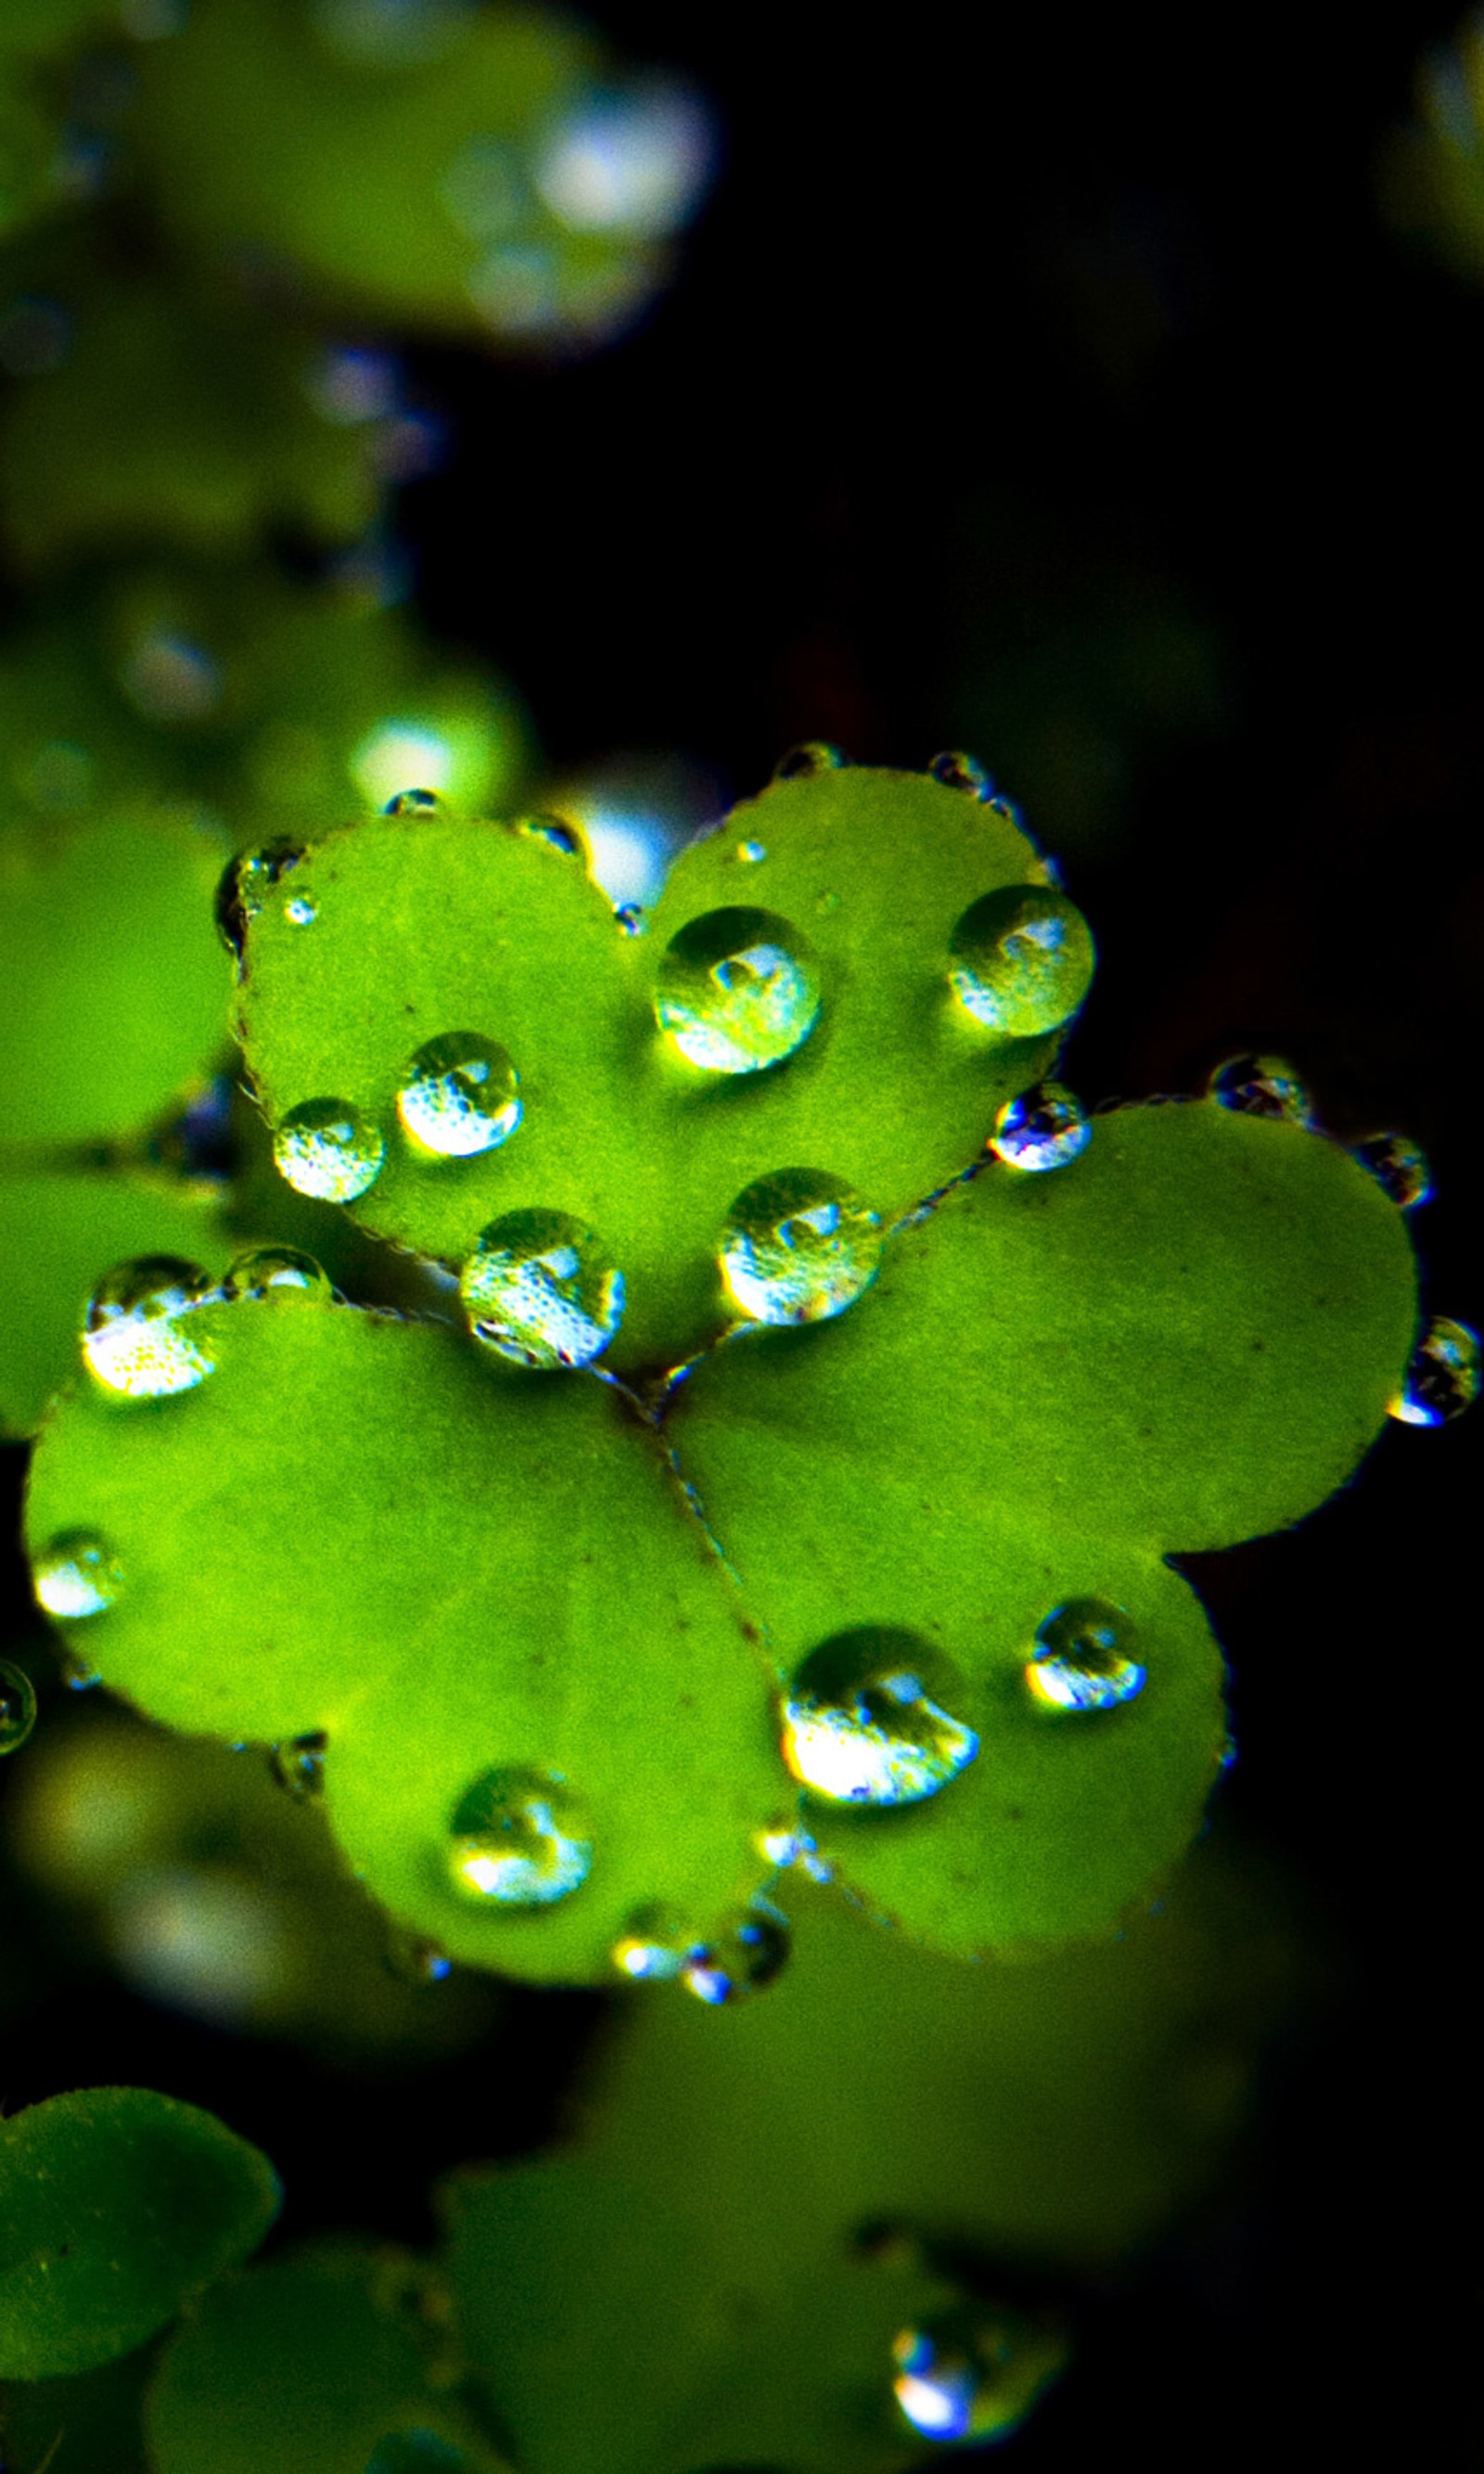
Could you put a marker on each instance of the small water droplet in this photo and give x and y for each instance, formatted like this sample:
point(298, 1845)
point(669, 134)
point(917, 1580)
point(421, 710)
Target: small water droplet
point(743, 1956)
point(1083, 1658)
point(1442, 1379)
point(811, 756)
point(1399, 1166)
point(751, 854)
point(1262, 1086)
point(77, 1574)
point(959, 772)
point(540, 1288)
point(784, 1844)
point(631, 919)
point(298, 1765)
point(518, 1839)
point(301, 911)
point(17, 1706)
point(1021, 960)
point(738, 990)
point(653, 1948)
point(964, 2374)
point(413, 1959)
point(136, 1334)
point(864, 1721)
point(431, 805)
point(78, 1674)
point(279, 1275)
point(553, 831)
point(459, 1096)
point(244, 885)
point(1045, 1128)
point(327, 1149)
point(799, 1246)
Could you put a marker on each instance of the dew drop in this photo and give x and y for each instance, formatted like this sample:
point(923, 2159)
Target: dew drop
point(552, 830)
point(1262, 1086)
point(799, 1246)
point(1084, 1657)
point(631, 919)
point(459, 1096)
point(277, 1274)
point(811, 756)
point(300, 912)
point(540, 1288)
point(76, 1575)
point(244, 885)
point(327, 1149)
point(518, 1839)
point(1399, 1168)
point(654, 1947)
point(135, 1335)
point(431, 805)
point(864, 1721)
point(737, 992)
point(17, 1706)
point(783, 1844)
point(1044, 1129)
point(971, 2375)
point(751, 854)
point(298, 1765)
point(1021, 960)
point(1442, 1379)
point(959, 772)
point(743, 1956)
point(78, 1674)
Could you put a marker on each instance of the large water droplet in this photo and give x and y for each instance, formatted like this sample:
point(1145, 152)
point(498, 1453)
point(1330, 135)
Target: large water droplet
point(77, 1574)
point(972, 2375)
point(246, 884)
point(431, 805)
point(959, 772)
point(540, 1288)
point(17, 1706)
point(280, 1275)
point(298, 1765)
point(738, 990)
point(1021, 960)
point(864, 1720)
point(654, 1947)
point(137, 1335)
point(1045, 1128)
point(459, 1096)
point(799, 1246)
point(327, 1149)
point(518, 1839)
point(1442, 1379)
point(743, 1956)
point(811, 756)
point(1262, 1086)
point(1399, 1166)
point(1084, 1657)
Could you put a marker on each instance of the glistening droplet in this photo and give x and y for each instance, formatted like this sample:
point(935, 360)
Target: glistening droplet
point(518, 1839)
point(630, 918)
point(751, 854)
point(431, 805)
point(459, 1096)
point(1443, 1378)
point(1084, 1657)
point(553, 831)
point(76, 1574)
point(972, 2374)
point(137, 1334)
point(738, 990)
point(1021, 960)
point(1044, 1129)
point(327, 1149)
point(865, 1720)
point(743, 1957)
point(280, 1275)
point(811, 756)
point(542, 1290)
point(244, 885)
point(1399, 1168)
point(959, 772)
point(298, 1765)
point(799, 1246)
point(1262, 1086)
point(653, 1948)
point(17, 1706)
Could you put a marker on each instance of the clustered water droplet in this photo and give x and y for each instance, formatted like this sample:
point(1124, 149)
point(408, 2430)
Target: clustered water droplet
point(864, 1720)
point(518, 1839)
point(298, 1766)
point(811, 756)
point(738, 990)
point(1441, 1380)
point(1399, 1168)
point(1021, 960)
point(1262, 1086)
point(1045, 1128)
point(327, 1150)
point(540, 1289)
point(431, 805)
point(799, 1246)
point(137, 1335)
point(459, 1096)
point(17, 1706)
point(1084, 1657)
point(278, 1276)
point(966, 2374)
point(244, 885)
point(740, 1958)
point(76, 1574)
point(959, 772)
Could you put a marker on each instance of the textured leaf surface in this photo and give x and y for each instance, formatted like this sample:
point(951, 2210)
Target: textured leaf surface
point(117, 2205)
point(447, 1570)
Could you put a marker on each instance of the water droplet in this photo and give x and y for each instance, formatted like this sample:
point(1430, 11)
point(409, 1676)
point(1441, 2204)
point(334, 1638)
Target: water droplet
point(540, 1288)
point(327, 1149)
point(413, 1959)
point(745, 1955)
point(959, 772)
point(244, 885)
point(966, 2374)
point(799, 1246)
point(1442, 1379)
point(631, 919)
point(76, 1575)
point(1262, 1086)
point(78, 1674)
point(552, 830)
point(135, 1335)
point(751, 854)
point(280, 1275)
point(811, 756)
point(783, 1844)
point(1084, 1657)
point(1046, 1128)
point(518, 1839)
point(1021, 960)
point(431, 805)
point(301, 911)
point(654, 1947)
point(1399, 1166)
point(738, 990)
point(17, 1707)
point(863, 1721)
point(459, 1096)
point(298, 1766)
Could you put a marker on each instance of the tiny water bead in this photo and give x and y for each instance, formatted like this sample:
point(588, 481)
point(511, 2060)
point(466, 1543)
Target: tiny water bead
point(1399, 1168)
point(77, 1574)
point(738, 990)
point(459, 1096)
point(959, 772)
point(518, 1839)
point(327, 1150)
point(431, 805)
point(553, 831)
point(1083, 1658)
point(298, 1765)
point(540, 1289)
point(971, 2375)
point(1045, 1128)
point(276, 1276)
point(17, 1706)
point(1443, 1378)
point(1021, 960)
point(136, 1339)
point(630, 919)
point(244, 885)
point(864, 1721)
point(783, 1844)
point(741, 1958)
point(300, 912)
point(799, 1246)
point(413, 1959)
point(654, 1947)
point(1262, 1086)
point(811, 756)
point(751, 854)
